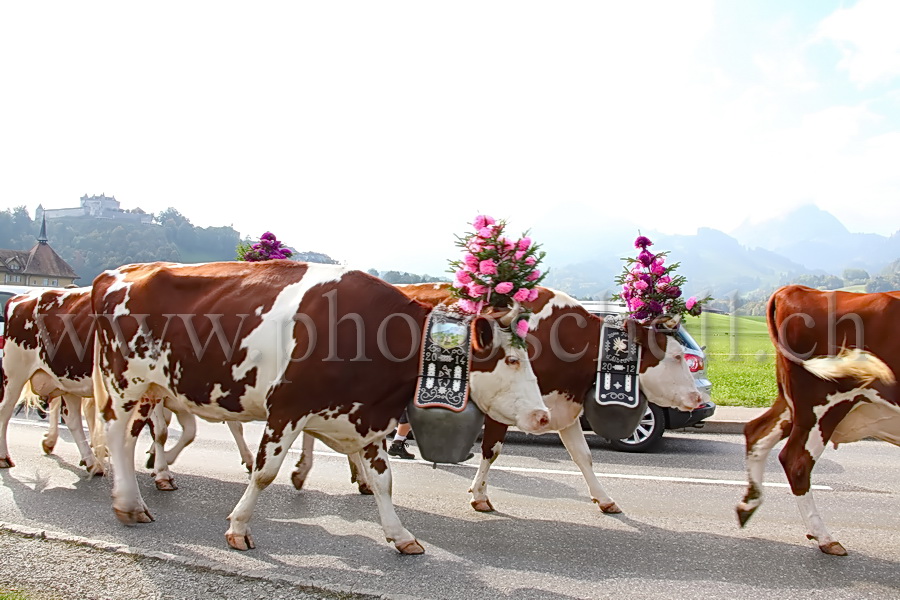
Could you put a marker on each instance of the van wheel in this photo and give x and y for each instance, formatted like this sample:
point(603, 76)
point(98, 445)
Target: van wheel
point(648, 432)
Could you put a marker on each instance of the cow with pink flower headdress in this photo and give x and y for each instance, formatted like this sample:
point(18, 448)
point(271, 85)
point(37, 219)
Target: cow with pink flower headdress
point(564, 345)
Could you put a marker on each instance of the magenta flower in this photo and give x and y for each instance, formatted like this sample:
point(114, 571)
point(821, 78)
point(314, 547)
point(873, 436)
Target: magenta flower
point(524, 243)
point(640, 285)
point(642, 242)
point(522, 328)
point(657, 269)
point(485, 232)
point(519, 255)
point(533, 294)
point(482, 221)
point(504, 287)
point(689, 304)
point(522, 295)
point(533, 275)
point(530, 261)
point(487, 267)
point(468, 306)
point(471, 261)
point(476, 289)
point(646, 258)
point(463, 277)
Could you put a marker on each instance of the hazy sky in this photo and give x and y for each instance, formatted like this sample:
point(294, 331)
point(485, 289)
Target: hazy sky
point(374, 130)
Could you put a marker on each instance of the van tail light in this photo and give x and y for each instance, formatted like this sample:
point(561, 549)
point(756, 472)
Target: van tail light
point(694, 362)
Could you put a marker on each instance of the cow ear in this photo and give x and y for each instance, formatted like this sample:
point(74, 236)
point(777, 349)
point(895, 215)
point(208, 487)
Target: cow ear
point(482, 334)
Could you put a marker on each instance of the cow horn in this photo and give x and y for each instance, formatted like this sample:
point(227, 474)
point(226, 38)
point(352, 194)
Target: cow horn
point(507, 319)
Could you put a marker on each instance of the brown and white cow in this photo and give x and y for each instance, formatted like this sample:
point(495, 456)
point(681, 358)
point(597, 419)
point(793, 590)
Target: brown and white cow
point(565, 341)
point(304, 347)
point(49, 342)
point(837, 355)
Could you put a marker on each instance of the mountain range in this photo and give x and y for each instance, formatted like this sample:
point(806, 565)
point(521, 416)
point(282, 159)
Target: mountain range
point(584, 254)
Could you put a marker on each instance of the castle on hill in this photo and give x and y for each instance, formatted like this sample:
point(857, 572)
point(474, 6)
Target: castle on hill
point(95, 207)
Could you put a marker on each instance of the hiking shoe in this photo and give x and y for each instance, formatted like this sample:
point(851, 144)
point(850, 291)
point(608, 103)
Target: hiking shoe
point(398, 449)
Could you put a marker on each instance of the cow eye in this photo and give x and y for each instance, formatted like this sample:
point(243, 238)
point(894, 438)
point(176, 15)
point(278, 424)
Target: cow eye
point(512, 361)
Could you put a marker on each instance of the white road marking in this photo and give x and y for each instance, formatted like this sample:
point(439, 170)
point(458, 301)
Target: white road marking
point(700, 480)
point(733, 482)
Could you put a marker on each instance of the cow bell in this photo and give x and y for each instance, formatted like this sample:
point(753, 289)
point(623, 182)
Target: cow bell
point(613, 421)
point(445, 436)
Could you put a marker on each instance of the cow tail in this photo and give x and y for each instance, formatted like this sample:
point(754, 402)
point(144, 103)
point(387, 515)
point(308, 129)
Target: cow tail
point(101, 401)
point(851, 363)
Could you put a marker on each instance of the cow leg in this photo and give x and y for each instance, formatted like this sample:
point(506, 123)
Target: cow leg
point(72, 416)
point(159, 426)
point(376, 469)
point(237, 432)
point(272, 450)
point(358, 475)
point(573, 439)
point(52, 436)
point(305, 464)
point(122, 436)
point(12, 390)
point(761, 434)
point(188, 423)
point(798, 459)
point(491, 445)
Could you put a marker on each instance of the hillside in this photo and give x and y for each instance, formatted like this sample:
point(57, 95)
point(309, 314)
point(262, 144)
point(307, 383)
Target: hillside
point(94, 245)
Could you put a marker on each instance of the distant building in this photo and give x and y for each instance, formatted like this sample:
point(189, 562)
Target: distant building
point(95, 207)
point(40, 266)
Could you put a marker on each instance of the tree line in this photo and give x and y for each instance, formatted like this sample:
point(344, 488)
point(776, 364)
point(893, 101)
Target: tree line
point(92, 246)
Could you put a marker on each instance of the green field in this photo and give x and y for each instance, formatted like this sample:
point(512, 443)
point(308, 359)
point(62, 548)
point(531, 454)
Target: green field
point(739, 358)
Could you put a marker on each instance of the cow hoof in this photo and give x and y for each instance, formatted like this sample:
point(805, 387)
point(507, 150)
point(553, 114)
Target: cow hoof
point(744, 514)
point(6, 463)
point(482, 506)
point(145, 517)
point(166, 485)
point(240, 542)
point(833, 548)
point(48, 447)
point(610, 509)
point(95, 470)
point(365, 490)
point(130, 517)
point(297, 480)
point(412, 547)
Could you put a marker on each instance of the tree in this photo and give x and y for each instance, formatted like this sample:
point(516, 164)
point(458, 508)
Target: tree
point(855, 276)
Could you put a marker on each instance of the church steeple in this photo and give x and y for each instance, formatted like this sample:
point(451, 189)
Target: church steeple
point(42, 238)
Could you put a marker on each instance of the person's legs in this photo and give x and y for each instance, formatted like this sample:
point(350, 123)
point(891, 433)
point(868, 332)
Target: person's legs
point(398, 446)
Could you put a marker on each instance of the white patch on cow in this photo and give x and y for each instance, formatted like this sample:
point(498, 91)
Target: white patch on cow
point(563, 410)
point(216, 393)
point(274, 336)
point(258, 311)
point(558, 300)
point(876, 418)
point(119, 283)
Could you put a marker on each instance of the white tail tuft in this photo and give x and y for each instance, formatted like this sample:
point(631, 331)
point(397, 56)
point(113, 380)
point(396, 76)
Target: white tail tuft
point(853, 363)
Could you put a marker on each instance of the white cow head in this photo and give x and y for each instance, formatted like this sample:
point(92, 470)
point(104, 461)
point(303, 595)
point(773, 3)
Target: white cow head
point(503, 383)
point(671, 383)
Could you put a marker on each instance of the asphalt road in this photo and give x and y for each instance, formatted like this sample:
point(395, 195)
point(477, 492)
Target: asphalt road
point(678, 537)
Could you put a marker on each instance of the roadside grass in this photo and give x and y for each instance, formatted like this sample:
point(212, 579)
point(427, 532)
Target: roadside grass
point(12, 595)
point(739, 358)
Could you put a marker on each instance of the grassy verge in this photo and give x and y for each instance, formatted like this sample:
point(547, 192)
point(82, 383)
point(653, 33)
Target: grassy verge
point(739, 358)
point(12, 595)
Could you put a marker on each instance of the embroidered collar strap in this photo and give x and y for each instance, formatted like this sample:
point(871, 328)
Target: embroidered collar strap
point(445, 361)
point(617, 365)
